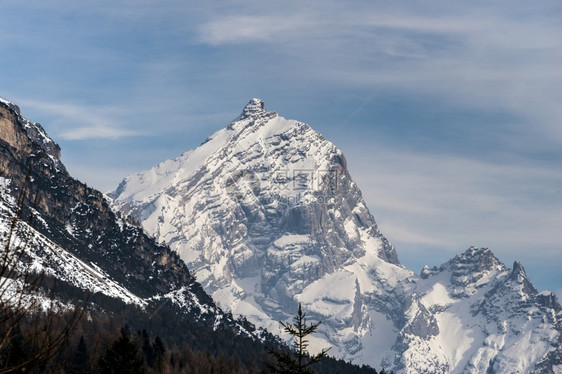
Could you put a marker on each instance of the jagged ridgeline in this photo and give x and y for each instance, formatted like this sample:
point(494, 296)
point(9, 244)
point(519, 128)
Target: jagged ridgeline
point(97, 255)
point(267, 216)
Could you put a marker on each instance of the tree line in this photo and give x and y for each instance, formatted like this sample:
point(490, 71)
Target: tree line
point(98, 345)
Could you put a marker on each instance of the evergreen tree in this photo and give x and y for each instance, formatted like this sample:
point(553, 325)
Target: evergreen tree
point(158, 351)
point(122, 357)
point(146, 348)
point(80, 360)
point(298, 361)
point(16, 352)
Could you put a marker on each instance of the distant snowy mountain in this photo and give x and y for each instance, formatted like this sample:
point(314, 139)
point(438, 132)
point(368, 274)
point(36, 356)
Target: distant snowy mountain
point(266, 215)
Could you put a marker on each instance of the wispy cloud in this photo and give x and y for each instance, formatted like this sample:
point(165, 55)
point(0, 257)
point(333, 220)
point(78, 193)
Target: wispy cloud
point(82, 122)
point(485, 56)
point(412, 237)
point(419, 197)
point(251, 28)
point(98, 131)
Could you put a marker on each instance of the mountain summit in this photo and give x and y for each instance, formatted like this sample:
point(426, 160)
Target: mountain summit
point(254, 107)
point(266, 216)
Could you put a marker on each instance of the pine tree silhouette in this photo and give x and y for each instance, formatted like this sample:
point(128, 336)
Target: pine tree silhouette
point(81, 358)
point(122, 357)
point(298, 361)
point(158, 350)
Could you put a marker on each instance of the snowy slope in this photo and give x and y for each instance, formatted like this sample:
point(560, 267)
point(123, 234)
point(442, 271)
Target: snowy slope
point(266, 215)
point(48, 257)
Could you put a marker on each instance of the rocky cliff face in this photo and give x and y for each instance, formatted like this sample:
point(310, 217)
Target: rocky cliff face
point(33, 135)
point(266, 215)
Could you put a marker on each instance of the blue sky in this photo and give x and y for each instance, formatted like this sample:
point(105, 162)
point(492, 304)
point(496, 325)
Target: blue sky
point(448, 113)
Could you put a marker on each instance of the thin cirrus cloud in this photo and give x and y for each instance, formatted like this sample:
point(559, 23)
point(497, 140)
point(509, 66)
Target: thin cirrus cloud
point(245, 29)
point(336, 25)
point(81, 122)
point(97, 131)
point(422, 197)
point(482, 56)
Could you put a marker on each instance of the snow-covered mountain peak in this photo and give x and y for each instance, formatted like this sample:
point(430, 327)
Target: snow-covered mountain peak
point(266, 215)
point(518, 271)
point(255, 106)
point(474, 260)
point(468, 271)
point(519, 276)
